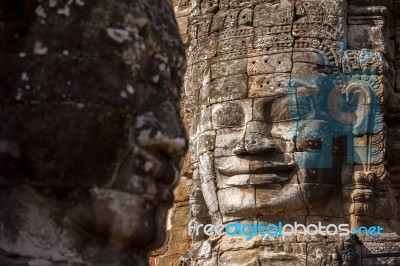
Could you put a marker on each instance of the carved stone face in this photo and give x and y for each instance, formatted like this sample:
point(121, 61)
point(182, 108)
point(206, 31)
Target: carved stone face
point(284, 110)
point(262, 147)
point(254, 147)
point(90, 131)
point(288, 152)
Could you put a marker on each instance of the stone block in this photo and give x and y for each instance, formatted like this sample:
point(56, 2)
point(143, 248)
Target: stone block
point(231, 114)
point(235, 40)
point(246, 258)
point(268, 64)
point(235, 201)
point(228, 68)
point(183, 28)
point(272, 14)
point(181, 192)
point(322, 199)
point(269, 85)
point(203, 50)
point(228, 88)
point(227, 139)
point(283, 258)
point(368, 37)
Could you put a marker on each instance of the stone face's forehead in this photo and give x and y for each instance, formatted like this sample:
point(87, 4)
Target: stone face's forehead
point(101, 60)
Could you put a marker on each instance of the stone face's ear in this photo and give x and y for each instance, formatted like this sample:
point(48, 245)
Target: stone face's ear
point(208, 185)
point(353, 105)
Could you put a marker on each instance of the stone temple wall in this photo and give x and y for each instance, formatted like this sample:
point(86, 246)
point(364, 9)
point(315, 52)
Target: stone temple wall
point(252, 65)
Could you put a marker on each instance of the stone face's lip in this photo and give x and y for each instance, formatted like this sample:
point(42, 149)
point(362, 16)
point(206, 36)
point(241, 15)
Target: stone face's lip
point(160, 195)
point(266, 167)
point(155, 167)
point(148, 188)
point(163, 173)
point(148, 174)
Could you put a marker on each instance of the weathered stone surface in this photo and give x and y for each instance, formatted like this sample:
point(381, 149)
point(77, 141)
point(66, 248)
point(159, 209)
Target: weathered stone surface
point(280, 254)
point(227, 68)
point(229, 114)
point(228, 88)
point(246, 258)
point(271, 85)
point(268, 64)
point(322, 199)
point(237, 202)
point(384, 251)
point(227, 139)
point(332, 253)
point(273, 14)
point(181, 192)
point(368, 37)
point(279, 201)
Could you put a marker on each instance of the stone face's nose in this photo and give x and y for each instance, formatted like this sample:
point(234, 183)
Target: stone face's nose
point(256, 143)
point(255, 140)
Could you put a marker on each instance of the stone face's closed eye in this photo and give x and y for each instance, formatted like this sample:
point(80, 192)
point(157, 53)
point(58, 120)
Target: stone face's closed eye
point(228, 114)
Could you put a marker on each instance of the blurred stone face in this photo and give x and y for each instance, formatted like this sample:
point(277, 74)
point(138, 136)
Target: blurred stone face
point(90, 129)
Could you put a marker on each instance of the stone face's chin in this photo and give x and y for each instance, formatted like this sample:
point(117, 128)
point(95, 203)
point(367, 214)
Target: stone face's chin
point(274, 184)
point(286, 200)
point(250, 202)
point(102, 227)
point(146, 179)
point(128, 218)
point(160, 230)
point(133, 223)
point(148, 176)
